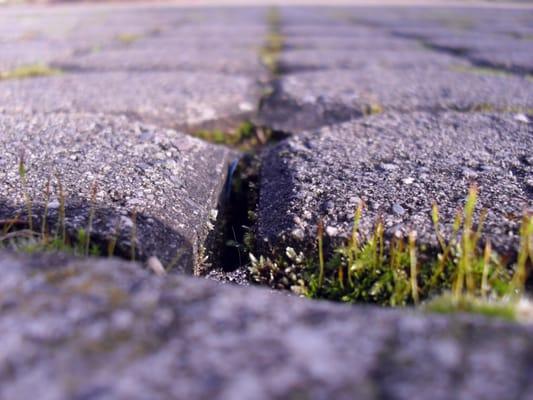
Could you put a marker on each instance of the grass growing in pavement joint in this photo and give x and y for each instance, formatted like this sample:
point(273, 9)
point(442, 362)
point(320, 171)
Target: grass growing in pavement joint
point(23, 234)
point(372, 108)
point(245, 137)
point(128, 38)
point(486, 71)
point(464, 275)
point(29, 71)
point(270, 52)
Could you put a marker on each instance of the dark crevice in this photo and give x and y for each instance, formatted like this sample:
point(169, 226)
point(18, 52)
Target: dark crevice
point(80, 69)
point(235, 226)
point(457, 51)
point(241, 200)
point(466, 54)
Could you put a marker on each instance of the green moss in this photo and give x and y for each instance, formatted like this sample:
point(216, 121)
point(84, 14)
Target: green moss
point(128, 38)
point(245, 136)
point(447, 303)
point(29, 71)
point(372, 108)
point(274, 42)
point(484, 71)
point(31, 236)
point(213, 136)
point(398, 272)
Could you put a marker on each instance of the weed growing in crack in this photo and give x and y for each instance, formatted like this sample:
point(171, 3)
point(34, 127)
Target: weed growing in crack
point(22, 234)
point(127, 38)
point(462, 276)
point(483, 71)
point(29, 71)
point(274, 42)
point(372, 108)
point(245, 137)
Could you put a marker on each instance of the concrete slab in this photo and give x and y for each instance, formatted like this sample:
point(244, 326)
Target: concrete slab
point(171, 99)
point(124, 334)
point(172, 181)
point(398, 164)
point(218, 60)
point(301, 60)
point(307, 100)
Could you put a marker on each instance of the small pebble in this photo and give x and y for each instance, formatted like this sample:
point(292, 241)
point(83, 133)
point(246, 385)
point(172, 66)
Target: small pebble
point(521, 118)
point(53, 204)
point(155, 266)
point(332, 231)
point(398, 209)
point(329, 206)
point(388, 166)
point(298, 234)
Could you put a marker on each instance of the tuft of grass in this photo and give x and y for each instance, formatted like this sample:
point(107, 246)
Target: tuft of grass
point(24, 183)
point(245, 136)
point(29, 71)
point(372, 108)
point(483, 71)
point(449, 303)
point(462, 275)
point(274, 42)
point(128, 38)
point(21, 234)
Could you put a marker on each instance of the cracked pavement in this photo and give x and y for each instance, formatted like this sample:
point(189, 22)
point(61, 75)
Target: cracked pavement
point(397, 106)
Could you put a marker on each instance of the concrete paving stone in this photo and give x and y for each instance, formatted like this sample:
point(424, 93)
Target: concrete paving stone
point(497, 51)
point(317, 16)
point(473, 42)
point(225, 60)
point(171, 180)
point(21, 54)
point(454, 18)
point(511, 59)
point(300, 60)
point(307, 100)
point(338, 30)
point(234, 36)
point(352, 43)
point(21, 27)
point(231, 30)
point(102, 27)
point(398, 164)
point(125, 334)
point(172, 99)
point(206, 43)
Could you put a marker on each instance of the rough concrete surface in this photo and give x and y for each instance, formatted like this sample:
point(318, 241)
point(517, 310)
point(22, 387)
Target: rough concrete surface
point(225, 60)
point(106, 329)
point(292, 61)
point(172, 181)
point(136, 78)
point(171, 99)
point(309, 100)
point(398, 165)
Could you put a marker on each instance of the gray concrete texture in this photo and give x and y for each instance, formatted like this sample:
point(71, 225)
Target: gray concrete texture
point(137, 79)
point(170, 180)
point(398, 165)
point(103, 329)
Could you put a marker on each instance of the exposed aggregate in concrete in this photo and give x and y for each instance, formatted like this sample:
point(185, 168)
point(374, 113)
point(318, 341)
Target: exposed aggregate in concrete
point(73, 329)
point(104, 328)
point(398, 165)
point(171, 180)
